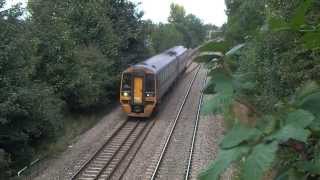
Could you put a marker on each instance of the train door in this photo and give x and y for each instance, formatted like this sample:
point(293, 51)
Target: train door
point(138, 90)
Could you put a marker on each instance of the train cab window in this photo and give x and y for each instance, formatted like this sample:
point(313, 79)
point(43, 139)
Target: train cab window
point(126, 82)
point(150, 83)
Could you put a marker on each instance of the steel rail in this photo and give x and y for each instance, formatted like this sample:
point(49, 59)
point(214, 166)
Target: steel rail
point(174, 126)
point(92, 158)
point(116, 151)
point(138, 149)
point(195, 131)
point(125, 153)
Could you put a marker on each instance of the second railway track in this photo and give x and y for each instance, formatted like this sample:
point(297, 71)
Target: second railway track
point(175, 159)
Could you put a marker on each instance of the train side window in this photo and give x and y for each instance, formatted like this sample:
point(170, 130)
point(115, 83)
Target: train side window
point(150, 85)
point(126, 82)
point(163, 79)
point(165, 73)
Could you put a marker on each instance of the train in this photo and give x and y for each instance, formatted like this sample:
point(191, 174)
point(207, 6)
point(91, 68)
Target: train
point(143, 85)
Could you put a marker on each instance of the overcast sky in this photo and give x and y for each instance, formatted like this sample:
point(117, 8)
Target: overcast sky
point(210, 11)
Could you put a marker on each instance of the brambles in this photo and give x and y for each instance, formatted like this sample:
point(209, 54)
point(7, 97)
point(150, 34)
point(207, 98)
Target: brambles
point(276, 71)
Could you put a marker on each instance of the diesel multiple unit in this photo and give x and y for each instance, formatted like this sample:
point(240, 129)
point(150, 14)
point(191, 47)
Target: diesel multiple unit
point(144, 84)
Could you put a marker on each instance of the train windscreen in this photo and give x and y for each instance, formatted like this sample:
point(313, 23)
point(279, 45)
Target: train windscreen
point(126, 82)
point(150, 86)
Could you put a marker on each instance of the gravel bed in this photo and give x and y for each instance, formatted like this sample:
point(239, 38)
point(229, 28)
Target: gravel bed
point(65, 165)
point(141, 165)
point(210, 132)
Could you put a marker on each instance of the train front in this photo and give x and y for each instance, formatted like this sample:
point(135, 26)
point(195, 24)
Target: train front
point(138, 92)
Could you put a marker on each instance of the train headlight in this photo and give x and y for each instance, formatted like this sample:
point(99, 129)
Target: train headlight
point(126, 94)
point(149, 94)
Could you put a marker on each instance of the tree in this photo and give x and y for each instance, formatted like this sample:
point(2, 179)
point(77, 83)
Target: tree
point(177, 14)
point(65, 55)
point(244, 18)
point(190, 26)
point(82, 51)
point(29, 109)
point(165, 36)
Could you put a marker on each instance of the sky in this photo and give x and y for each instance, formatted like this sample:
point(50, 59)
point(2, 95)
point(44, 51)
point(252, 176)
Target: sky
point(209, 11)
point(9, 3)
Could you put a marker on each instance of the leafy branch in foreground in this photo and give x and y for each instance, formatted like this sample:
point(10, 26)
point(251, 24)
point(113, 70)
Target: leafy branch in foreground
point(294, 128)
point(277, 138)
point(276, 71)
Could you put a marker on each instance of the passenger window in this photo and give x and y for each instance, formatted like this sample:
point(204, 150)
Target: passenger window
point(126, 82)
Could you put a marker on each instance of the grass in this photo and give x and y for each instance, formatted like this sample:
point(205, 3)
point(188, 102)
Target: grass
point(74, 125)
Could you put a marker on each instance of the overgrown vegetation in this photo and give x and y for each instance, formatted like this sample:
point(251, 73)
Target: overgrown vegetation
point(276, 74)
point(65, 57)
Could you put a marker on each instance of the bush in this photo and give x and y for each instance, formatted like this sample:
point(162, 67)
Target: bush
point(29, 115)
point(4, 165)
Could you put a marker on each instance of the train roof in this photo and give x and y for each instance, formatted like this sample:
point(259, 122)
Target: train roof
point(157, 62)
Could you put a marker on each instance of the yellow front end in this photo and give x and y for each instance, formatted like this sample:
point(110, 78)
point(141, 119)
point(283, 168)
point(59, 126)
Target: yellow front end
point(136, 105)
point(148, 107)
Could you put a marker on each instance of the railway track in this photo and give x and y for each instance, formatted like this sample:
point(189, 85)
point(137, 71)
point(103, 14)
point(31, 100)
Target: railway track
point(107, 159)
point(156, 169)
point(194, 135)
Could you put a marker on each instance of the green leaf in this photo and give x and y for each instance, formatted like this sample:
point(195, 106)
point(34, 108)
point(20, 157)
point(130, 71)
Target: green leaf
point(267, 124)
point(291, 132)
point(300, 13)
point(222, 81)
point(213, 46)
point(223, 161)
point(300, 118)
point(291, 174)
point(277, 24)
point(238, 134)
point(296, 121)
point(259, 161)
point(235, 49)
point(308, 88)
point(212, 55)
point(315, 127)
point(217, 104)
point(224, 97)
point(310, 167)
point(311, 40)
point(311, 103)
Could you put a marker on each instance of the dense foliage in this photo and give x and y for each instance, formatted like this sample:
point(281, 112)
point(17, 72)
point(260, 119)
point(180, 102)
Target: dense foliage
point(62, 57)
point(276, 74)
point(184, 29)
point(191, 27)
